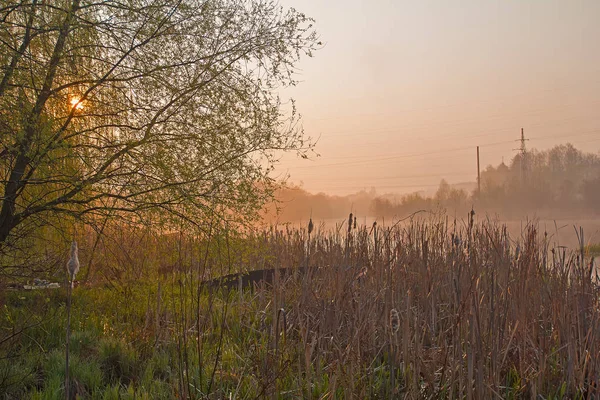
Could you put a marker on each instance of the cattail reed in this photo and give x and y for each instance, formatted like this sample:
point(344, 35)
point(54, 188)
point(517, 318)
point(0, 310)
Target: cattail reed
point(72, 269)
point(350, 223)
point(394, 321)
point(73, 263)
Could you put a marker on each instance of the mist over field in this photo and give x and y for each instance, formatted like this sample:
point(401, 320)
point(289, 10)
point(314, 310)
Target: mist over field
point(562, 183)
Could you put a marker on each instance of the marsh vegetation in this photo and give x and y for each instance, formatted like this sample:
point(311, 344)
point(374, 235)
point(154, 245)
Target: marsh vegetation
point(429, 308)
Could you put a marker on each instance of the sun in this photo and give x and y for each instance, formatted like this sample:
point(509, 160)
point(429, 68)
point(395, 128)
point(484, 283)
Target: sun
point(76, 102)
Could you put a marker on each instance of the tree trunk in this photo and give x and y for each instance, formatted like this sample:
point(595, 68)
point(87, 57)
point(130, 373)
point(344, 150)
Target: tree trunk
point(8, 220)
point(8, 217)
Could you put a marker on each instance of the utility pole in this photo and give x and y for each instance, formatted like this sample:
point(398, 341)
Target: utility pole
point(478, 175)
point(523, 150)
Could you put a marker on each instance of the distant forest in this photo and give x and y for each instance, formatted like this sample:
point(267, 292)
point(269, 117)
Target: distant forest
point(560, 182)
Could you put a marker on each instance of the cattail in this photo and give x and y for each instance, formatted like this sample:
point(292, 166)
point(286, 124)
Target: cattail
point(73, 263)
point(350, 223)
point(355, 222)
point(310, 226)
point(394, 320)
point(374, 228)
point(72, 269)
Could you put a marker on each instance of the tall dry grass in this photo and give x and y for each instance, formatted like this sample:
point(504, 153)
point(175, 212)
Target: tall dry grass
point(436, 308)
point(426, 308)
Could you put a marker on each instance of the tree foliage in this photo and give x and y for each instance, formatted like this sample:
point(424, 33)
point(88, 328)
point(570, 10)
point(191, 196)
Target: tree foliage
point(165, 108)
point(562, 178)
point(559, 182)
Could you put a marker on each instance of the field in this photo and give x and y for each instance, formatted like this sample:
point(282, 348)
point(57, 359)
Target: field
point(432, 308)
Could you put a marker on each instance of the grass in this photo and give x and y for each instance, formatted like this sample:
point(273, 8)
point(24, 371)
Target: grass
point(593, 249)
point(477, 314)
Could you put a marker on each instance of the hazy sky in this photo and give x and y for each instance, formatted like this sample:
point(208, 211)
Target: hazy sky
point(403, 91)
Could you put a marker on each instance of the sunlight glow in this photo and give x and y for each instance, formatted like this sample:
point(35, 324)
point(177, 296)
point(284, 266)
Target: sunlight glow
point(76, 102)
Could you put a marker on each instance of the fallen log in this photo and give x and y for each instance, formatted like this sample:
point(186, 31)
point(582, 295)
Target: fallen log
point(247, 279)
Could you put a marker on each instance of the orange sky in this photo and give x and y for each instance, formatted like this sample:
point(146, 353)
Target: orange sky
point(403, 92)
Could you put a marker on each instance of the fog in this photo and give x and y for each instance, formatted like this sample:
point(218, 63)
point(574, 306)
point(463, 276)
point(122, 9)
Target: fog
point(556, 188)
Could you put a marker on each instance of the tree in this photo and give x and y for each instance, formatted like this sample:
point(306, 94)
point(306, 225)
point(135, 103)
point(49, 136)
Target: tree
point(138, 106)
point(591, 194)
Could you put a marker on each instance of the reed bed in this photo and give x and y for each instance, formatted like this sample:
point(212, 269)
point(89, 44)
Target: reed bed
point(436, 308)
point(424, 308)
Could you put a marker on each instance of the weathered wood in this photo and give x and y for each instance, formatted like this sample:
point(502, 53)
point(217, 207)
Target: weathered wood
point(250, 278)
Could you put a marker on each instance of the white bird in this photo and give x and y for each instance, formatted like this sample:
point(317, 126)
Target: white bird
point(73, 263)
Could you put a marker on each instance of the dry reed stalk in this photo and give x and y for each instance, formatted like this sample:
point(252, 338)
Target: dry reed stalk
point(394, 326)
point(461, 294)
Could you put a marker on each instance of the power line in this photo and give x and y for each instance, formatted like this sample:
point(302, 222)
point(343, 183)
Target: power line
point(400, 156)
point(417, 186)
point(378, 178)
point(376, 159)
point(523, 150)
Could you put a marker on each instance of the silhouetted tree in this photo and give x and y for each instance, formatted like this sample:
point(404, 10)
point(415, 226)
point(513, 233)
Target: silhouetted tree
point(141, 106)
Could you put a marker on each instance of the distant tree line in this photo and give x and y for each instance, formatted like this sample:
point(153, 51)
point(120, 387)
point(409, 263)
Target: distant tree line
point(562, 179)
point(560, 182)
